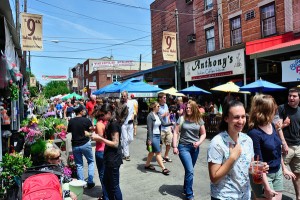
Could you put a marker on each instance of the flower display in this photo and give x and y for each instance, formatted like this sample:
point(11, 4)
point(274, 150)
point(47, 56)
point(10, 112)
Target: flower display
point(72, 166)
point(67, 171)
point(31, 131)
point(61, 131)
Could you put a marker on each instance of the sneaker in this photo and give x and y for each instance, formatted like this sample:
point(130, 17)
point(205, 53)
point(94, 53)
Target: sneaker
point(90, 185)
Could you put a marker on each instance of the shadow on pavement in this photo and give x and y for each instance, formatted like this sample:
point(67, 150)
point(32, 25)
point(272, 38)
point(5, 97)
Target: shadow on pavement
point(174, 190)
point(141, 167)
point(95, 192)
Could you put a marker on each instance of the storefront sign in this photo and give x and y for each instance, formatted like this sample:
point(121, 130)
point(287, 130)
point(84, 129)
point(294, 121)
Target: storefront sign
point(226, 64)
point(32, 82)
point(54, 78)
point(32, 32)
point(169, 49)
point(114, 63)
point(92, 85)
point(291, 70)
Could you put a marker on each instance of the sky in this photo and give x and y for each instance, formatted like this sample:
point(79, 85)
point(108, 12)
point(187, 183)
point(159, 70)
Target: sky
point(77, 30)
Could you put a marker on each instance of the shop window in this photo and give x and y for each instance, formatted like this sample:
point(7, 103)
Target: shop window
point(210, 39)
point(116, 77)
point(86, 67)
point(268, 21)
point(236, 30)
point(208, 4)
point(94, 78)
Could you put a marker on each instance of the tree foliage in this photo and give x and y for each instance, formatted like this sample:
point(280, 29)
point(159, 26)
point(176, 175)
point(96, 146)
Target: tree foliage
point(54, 88)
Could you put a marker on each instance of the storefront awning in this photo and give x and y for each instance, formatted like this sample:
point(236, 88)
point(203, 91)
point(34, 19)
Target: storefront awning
point(285, 47)
point(154, 69)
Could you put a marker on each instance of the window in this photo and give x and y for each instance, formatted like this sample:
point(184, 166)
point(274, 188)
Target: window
point(86, 81)
point(94, 78)
point(115, 77)
point(208, 4)
point(210, 39)
point(236, 30)
point(86, 67)
point(268, 23)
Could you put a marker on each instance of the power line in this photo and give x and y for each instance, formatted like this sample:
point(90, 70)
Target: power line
point(74, 42)
point(108, 22)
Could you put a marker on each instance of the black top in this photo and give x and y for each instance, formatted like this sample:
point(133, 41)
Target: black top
point(291, 132)
point(113, 156)
point(77, 126)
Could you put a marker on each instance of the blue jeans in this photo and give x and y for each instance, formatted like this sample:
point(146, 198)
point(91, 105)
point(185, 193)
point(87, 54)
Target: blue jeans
point(100, 166)
point(86, 151)
point(188, 156)
point(112, 182)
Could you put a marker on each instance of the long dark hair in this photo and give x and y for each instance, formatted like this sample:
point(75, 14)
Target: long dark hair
point(233, 103)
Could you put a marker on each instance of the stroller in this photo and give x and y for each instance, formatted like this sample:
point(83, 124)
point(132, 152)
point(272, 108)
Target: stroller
point(41, 184)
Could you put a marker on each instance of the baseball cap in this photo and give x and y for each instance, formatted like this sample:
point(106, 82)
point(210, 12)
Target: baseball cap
point(132, 95)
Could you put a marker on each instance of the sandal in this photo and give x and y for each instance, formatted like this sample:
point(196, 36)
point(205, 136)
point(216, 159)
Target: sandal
point(150, 167)
point(167, 159)
point(163, 160)
point(165, 171)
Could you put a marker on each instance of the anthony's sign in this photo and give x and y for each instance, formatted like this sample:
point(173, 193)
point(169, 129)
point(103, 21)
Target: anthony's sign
point(291, 70)
point(226, 64)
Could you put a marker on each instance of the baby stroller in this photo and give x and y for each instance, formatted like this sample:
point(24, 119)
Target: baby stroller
point(41, 184)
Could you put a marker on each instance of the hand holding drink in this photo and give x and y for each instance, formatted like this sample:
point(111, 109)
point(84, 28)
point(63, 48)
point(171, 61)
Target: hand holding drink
point(257, 170)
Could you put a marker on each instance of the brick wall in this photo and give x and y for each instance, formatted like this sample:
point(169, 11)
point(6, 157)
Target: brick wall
point(296, 15)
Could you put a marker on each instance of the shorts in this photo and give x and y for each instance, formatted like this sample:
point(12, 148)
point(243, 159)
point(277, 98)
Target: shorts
point(135, 121)
point(166, 137)
point(156, 143)
point(275, 181)
point(293, 158)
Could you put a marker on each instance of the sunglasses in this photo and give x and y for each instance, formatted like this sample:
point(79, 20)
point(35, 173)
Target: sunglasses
point(56, 158)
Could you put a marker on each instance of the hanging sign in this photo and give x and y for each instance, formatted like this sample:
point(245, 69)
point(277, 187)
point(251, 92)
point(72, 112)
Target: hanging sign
point(75, 82)
point(32, 82)
point(32, 32)
point(291, 70)
point(54, 78)
point(169, 49)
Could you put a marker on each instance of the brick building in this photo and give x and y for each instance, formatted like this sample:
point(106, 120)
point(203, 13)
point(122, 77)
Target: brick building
point(227, 40)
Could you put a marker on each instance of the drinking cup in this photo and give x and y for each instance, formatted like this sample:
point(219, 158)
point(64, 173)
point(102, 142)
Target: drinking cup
point(257, 168)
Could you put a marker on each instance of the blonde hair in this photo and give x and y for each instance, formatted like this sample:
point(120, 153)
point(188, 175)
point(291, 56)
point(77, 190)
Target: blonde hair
point(51, 153)
point(153, 105)
point(263, 108)
point(196, 115)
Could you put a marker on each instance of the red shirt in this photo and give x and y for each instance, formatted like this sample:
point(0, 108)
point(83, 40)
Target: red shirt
point(90, 107)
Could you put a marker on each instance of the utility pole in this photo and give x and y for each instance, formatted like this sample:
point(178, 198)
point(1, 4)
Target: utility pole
point(178, 66)
point(140, 67)
point(27, 79)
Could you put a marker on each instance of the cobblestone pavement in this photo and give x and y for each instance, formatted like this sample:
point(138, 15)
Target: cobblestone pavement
point(139, 184)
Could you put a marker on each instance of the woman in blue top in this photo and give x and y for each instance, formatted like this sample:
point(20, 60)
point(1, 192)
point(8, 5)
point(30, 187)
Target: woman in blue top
point(267, 147)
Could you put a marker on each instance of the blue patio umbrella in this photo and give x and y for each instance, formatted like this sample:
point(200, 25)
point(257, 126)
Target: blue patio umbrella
point(261, 86)
point(105, 88)
point(194, 90)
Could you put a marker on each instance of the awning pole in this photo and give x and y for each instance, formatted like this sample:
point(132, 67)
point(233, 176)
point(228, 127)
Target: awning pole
point(255, 68)
point(245, 82)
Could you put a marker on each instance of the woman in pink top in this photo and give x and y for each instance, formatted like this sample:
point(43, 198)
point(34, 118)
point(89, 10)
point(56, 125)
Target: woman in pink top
point(99, 151)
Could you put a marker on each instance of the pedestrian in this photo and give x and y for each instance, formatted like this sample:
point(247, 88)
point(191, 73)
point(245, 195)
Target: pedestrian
point(53, 162)
point(166, 134)
point(192, 134)
point(267, 147)
point(127, 126)
point(154, 123)
point(99, 150)
point(290, 114)
point(112, 151)
point(135, 113)
point(90, 106)
point(229, 156)
point(81, 144)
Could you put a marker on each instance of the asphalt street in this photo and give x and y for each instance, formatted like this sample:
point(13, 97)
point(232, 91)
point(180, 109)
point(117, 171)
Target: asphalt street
point(140, 184)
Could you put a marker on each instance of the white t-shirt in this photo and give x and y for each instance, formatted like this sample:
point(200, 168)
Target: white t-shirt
point(157, 123)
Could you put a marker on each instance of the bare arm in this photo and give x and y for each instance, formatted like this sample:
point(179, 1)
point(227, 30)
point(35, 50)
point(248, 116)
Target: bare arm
point(175, 136)
point(114, 143)
point(218, 171)
point(100, 128)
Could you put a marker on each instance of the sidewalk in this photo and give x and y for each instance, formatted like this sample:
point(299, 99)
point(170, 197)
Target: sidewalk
point(137, 183)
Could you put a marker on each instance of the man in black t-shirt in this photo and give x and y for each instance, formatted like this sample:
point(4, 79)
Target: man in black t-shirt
point(81, 144)
point(290, 115)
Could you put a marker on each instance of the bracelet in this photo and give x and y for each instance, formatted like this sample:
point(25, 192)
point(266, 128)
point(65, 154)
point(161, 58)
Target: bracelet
point(279, 129)
point(174, 147)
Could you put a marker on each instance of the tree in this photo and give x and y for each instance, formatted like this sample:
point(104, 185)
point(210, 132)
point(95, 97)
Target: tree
point(54, 88)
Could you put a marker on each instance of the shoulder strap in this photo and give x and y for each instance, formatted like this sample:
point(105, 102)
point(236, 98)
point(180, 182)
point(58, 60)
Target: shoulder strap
point(181, 122)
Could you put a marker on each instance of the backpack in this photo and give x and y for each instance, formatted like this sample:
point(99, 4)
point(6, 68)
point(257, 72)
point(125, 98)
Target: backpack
point(42, 186)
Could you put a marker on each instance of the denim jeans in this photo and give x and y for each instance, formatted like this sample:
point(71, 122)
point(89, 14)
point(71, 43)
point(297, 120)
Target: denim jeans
point(188, 156)
point(86, 151)
point(100, 166)
point(112, 182)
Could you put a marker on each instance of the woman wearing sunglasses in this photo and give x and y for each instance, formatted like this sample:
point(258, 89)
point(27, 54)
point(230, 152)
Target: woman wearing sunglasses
point(154, 123)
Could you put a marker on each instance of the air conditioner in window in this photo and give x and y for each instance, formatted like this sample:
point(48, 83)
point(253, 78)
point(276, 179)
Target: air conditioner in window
point(108, 75)
point(191, 38)
point(188, 1)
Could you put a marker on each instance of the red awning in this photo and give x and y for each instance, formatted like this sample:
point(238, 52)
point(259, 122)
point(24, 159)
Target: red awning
point(285, 47)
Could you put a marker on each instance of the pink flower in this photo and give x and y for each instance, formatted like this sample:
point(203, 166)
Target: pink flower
point(67, 171)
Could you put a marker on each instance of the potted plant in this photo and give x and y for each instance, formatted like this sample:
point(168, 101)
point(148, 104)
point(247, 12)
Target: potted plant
point(13, 166)
point(41, 104)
